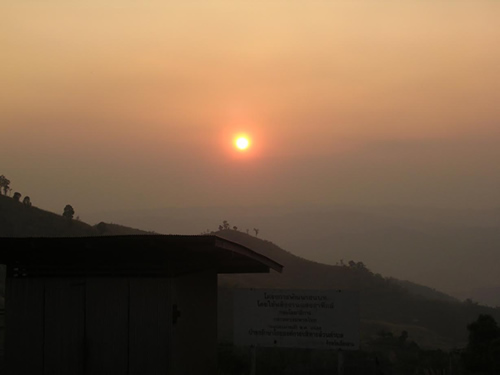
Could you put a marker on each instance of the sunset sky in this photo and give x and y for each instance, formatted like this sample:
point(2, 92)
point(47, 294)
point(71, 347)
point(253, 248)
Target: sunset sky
point(136, 104)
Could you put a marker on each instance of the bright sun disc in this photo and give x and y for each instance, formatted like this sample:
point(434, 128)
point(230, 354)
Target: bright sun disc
point(242, 143)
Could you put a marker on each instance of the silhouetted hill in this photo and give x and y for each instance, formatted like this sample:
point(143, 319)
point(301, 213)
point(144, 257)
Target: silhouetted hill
point(423, 291)
point(452, 250)
point(432, 318)
point(18, 220)
point(106, 229)
point(303, 273)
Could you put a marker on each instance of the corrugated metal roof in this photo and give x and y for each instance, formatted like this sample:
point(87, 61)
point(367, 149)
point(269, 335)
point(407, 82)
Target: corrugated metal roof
point(130, 255)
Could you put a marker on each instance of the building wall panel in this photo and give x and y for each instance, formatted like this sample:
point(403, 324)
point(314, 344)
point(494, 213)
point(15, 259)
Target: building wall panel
point(106, 331)
point(195, 331)
point(150, 326)
point(64, 326)
point(24, 325)
point(113, 325)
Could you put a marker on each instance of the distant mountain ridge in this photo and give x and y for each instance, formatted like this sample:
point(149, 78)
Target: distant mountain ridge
point(320, 276)
point(452, 250)
point(432, 318)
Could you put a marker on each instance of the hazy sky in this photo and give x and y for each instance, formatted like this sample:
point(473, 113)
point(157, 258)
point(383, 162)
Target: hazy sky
point(135, 104)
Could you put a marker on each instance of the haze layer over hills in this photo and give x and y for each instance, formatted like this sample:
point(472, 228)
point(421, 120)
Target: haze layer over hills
point(455, 251)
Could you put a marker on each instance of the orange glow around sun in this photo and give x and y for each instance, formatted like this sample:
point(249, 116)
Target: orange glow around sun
point(242, 143)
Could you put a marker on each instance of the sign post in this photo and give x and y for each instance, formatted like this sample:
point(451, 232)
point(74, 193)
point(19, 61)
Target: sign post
point(253, 364)
point(340, 363)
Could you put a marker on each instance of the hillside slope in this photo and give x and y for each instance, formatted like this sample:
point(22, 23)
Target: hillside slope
point(453, 250)
point(438, 320)
point(433, 319)
point(18, 220)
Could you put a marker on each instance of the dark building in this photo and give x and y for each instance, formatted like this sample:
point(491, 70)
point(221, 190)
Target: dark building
point(117, 305)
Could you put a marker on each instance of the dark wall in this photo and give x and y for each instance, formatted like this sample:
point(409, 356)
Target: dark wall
point(121, 325)
point(195, 332)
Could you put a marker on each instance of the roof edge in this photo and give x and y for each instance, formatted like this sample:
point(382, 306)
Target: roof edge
point(243, 250)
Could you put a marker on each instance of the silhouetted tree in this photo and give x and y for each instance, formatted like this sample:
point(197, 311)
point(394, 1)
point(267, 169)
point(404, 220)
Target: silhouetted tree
point(235, 228)
point(68, 212)
point(4, 184)
point(27, 201)
point(221, 227)
point(483, 348)
point(256, 230)
point(16, 196)
point(226, 225)
point(356, 265)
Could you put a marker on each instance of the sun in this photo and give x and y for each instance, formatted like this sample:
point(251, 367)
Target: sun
point(242, 143)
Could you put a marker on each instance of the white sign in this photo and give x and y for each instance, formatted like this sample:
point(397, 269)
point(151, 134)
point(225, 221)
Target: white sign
point(297, 318)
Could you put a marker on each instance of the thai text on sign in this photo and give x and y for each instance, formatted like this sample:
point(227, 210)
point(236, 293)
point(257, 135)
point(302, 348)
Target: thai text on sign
point(297, 318)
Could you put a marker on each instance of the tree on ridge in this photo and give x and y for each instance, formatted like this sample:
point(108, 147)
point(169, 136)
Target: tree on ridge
point(69, 212)
point(4, 184)
point(27, 201)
